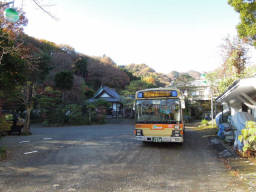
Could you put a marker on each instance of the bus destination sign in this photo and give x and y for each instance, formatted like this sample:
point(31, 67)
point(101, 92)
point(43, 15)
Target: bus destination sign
point(162, 93)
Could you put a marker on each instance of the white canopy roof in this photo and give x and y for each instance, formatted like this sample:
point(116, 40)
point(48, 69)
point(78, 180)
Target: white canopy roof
point(241, 91)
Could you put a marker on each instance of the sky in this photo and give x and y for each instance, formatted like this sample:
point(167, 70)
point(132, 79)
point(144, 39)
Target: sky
point(167, 35)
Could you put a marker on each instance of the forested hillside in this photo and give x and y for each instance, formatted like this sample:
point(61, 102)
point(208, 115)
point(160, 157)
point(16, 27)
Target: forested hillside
point(38, 75)
point(96, 71)
point(188, 76)
point(148, 74)
point(52, 79)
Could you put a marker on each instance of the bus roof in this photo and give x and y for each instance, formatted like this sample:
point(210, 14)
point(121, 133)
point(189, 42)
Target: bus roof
point(158, 89)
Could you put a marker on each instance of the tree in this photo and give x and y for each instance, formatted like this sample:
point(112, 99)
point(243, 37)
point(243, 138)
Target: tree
point(213, 80)
point(135, 86)
point(234, 66)
point(185, 78)
point(80, 67)
point(35, 76)
point(12, 65)
point(130, 74)
point(22, 66)
point(64, 81)
point(247, 26)
point(33, 67)
point(105, 74)
point(235, 57)
point(68, 49)
point(49, 103)
point(12, 71)
point(149, 80)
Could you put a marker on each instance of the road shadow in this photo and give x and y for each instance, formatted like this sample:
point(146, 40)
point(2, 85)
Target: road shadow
point(162, 145)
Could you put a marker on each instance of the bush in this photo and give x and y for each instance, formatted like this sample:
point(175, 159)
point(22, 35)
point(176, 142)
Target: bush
point(55, 116)
point(5, 123)
point(51, 109)
point(204, 122)
point(53, 112)
point(74, 115)
point(98, 119)
point(3, 153)
point(96, 111)
point(248, 136)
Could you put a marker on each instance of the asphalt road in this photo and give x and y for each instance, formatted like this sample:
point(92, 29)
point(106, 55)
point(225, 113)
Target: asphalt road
point(106, 158)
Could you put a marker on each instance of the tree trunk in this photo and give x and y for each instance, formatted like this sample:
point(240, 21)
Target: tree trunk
point(0, 107)
point(26, 128)
point(63, 97)
point(90, 116)
point(28, 106)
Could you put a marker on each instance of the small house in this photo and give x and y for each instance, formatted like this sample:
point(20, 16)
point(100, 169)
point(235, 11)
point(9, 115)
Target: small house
point(198, 95)
point(111, 96)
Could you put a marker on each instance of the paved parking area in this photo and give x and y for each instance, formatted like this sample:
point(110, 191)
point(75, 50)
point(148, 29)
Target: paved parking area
point(108, 158)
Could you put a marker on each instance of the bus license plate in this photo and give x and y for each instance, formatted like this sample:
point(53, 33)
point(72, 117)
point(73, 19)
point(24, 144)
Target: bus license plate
point(157, 139)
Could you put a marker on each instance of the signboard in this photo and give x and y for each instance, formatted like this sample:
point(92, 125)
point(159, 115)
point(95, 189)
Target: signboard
point(161, 93)
point(11, 15)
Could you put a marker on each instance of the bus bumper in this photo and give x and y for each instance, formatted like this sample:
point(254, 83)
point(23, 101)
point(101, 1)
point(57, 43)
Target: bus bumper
point(160, 139)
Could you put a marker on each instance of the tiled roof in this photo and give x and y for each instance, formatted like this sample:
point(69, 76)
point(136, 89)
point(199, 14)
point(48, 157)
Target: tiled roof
point(114, 96)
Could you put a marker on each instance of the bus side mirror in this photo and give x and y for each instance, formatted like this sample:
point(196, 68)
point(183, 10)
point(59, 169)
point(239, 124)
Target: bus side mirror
point(183, 104)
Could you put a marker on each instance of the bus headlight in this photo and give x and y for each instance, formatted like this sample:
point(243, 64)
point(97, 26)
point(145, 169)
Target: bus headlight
point(139, 132)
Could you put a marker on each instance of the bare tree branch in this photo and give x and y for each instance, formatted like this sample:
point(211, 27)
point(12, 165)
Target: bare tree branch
point(5, 4)
point(44, 10)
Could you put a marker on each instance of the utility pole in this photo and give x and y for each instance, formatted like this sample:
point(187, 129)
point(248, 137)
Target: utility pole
point(212, 107)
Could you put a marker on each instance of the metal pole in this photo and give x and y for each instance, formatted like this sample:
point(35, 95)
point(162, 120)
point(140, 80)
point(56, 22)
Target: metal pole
point(212, 108)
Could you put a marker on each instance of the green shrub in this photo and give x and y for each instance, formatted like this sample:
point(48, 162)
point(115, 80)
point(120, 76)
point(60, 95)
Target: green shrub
point(74, 115)
point(3, 153)
point(102, 103)
point(248, 136)
point(5, 123)
point(98, 119)
point(51, 109)
point(45, 123)
point(204, 122)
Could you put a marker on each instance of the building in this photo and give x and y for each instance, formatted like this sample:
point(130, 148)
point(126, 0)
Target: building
point(197, 90)
point(111, 96)
point(198, 97)
point(241, 93)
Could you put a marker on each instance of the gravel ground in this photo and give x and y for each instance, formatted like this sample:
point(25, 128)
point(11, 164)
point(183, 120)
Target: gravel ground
point(108, 158)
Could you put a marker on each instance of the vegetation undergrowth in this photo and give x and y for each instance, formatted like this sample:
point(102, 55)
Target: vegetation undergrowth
point(3, 153)
point(248, 138)
point(205, 124)
point(26, 134)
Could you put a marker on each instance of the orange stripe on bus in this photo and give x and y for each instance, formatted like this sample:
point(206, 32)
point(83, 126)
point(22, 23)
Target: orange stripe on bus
point(156, 126)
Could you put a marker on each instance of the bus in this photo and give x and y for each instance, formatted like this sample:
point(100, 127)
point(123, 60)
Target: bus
point(159, 115)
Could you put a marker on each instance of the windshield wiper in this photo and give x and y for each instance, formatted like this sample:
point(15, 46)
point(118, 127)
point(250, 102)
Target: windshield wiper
point(172, 121)
point(158, 122)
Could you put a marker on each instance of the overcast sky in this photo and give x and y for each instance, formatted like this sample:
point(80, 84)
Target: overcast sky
point(164, 34)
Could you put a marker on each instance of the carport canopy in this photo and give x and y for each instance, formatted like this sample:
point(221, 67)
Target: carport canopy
point(242, 91)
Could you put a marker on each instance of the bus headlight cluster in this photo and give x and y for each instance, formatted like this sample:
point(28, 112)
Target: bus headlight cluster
point(139, 132)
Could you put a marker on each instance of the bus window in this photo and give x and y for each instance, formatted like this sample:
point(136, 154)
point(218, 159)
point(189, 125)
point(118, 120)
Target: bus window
point(157, 111)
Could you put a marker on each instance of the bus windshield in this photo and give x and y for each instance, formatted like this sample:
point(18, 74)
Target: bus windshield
point(158, 111)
